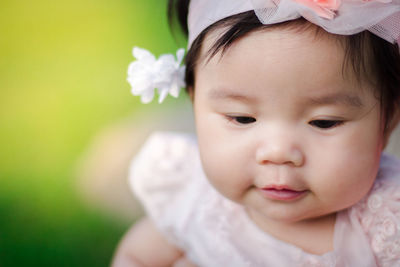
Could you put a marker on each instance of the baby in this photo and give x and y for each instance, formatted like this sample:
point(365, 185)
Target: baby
point(294, 101)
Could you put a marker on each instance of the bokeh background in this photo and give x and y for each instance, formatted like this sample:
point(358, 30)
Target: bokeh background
point(69, 125)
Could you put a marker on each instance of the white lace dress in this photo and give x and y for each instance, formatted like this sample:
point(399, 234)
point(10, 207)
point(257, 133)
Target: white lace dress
point(213, 231)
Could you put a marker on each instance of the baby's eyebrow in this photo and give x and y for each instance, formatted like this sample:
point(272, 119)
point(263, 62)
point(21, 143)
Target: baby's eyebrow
point(328, 99)
point(338, 99)
point(222, 93)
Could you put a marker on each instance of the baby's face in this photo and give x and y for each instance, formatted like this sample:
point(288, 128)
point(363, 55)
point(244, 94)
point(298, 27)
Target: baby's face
point(281, 131)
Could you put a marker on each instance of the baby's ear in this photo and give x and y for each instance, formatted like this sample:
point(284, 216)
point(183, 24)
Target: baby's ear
point(391, 126)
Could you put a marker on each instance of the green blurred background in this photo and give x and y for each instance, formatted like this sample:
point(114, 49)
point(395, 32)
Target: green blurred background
point(62, 76)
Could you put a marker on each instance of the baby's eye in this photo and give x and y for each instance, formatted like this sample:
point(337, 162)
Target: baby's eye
point(242, 119)
point(325, 124)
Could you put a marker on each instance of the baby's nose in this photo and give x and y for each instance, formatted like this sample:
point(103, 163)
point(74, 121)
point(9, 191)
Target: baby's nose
point(282, 149)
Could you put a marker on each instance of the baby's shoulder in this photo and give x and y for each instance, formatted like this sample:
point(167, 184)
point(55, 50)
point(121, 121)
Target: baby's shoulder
point(165, 153)
point(165, 163)
point(379, 212)
point(385, 193)
point(162, 174)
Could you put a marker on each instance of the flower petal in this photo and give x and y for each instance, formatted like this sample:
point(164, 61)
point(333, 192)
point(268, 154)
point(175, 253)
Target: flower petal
point(134, 67)
point(147, 97)
point(175, 90)
point(143, 54)
point(163, 94)
point(323, 8)
point(140, 86)
point(179, 55)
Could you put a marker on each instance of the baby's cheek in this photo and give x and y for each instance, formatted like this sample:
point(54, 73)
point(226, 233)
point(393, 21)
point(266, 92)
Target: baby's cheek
point(349, 184)
point(227, 176)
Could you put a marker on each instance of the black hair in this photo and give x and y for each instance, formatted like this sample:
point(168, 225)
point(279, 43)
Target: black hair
point(362, 51)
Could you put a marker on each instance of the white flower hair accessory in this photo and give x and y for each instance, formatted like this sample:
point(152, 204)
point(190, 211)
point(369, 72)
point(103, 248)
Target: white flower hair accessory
point(148, 73)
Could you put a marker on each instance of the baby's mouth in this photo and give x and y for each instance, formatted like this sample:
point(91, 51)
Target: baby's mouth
point(282, 193)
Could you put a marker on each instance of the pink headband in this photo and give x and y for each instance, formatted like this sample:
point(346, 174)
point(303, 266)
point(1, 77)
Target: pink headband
point(345, 17)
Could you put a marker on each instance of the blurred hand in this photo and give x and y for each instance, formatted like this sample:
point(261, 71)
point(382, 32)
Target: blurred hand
point(183, 262)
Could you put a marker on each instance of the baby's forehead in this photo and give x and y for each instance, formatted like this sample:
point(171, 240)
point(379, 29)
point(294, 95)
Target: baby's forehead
point(272, 42)
point(221, 39)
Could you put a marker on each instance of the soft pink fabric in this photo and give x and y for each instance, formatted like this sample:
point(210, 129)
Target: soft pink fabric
point(168, 179)
point(324, 8)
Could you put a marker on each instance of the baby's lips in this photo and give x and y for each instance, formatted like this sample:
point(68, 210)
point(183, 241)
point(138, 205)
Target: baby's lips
point(282, 187)
point(282, 193)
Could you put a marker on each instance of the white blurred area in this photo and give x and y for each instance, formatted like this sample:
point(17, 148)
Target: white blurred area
point(103, 169)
